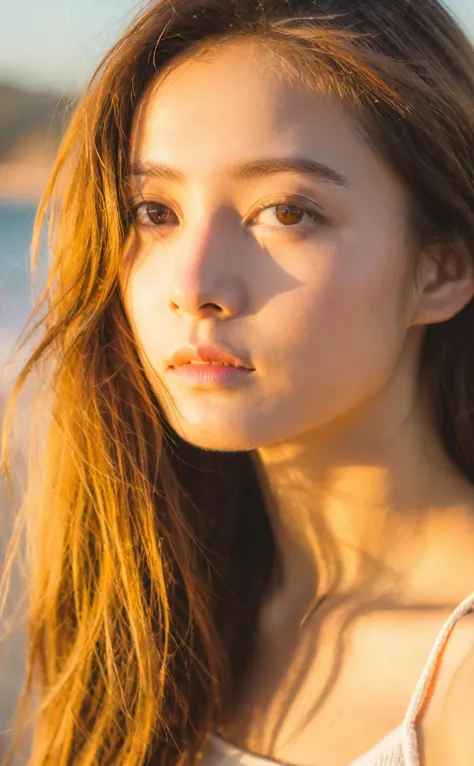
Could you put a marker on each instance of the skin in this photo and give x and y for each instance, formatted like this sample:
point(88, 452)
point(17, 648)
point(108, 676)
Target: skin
point(349, 460)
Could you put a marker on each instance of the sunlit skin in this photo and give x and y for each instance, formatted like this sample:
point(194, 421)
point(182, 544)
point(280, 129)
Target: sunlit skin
point(323, 310)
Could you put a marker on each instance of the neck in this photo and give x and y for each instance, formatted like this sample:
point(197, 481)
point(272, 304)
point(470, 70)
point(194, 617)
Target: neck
point(356, 513)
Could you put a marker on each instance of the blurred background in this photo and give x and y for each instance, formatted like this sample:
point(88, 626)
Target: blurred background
point(48, 52)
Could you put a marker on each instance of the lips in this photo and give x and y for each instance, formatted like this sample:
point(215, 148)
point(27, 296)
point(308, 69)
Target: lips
point(208, 353)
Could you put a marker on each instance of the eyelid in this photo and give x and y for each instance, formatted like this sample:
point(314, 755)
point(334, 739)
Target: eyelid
point(137, 200)
point(293, 200)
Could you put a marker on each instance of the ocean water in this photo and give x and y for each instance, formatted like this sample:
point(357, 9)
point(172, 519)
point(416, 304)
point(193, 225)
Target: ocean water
point(16, 302)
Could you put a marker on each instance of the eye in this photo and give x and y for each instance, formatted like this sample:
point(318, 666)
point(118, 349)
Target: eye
point(155, 215)
point(288, 215)
point(152, 214)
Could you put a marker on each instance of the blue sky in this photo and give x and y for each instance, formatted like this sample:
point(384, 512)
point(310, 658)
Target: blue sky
point(57, 43)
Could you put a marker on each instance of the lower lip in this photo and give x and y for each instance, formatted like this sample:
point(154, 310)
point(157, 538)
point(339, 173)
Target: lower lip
point(210, 375)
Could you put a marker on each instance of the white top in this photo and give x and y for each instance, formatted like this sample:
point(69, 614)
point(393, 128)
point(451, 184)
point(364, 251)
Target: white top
point(398, 748)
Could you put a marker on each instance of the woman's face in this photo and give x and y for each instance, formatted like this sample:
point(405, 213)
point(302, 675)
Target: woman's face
point(309, 295)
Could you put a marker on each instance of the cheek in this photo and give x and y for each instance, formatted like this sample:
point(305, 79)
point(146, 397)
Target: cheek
point(144, 301)
point(340, 335)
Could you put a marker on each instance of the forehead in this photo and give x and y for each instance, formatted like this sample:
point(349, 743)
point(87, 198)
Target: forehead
point(203, 115)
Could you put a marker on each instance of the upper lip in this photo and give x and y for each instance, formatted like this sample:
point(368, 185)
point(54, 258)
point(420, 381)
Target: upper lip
point(206, 353)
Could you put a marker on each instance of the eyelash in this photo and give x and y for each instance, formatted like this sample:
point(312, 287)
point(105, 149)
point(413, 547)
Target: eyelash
point(313, 214)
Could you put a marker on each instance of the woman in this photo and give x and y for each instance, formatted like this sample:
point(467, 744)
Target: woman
point(270, 560)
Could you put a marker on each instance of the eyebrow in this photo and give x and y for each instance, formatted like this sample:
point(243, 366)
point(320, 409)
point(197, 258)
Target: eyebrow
point(248, 170)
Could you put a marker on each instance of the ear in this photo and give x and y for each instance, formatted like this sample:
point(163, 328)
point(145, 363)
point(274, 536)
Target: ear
point(444, 282)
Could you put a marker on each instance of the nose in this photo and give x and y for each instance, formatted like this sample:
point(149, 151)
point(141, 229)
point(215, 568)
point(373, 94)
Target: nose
point(207, 280)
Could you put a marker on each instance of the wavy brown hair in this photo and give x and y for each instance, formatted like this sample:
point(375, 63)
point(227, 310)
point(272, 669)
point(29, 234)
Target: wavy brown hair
point(147, 557)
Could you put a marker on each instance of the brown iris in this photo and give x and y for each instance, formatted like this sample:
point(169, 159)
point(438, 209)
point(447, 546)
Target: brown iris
point(162, 216)
point(290, 214)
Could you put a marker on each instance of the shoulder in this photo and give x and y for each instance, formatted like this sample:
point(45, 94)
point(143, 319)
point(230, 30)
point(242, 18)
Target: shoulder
point(452, 738)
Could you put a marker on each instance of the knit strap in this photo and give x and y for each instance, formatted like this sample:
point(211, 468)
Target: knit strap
point(410, 742)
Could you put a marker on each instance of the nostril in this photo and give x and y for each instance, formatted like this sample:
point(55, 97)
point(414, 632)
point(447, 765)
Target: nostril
point(211, 307)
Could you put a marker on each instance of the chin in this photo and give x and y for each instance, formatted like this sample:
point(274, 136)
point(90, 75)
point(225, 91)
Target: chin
point(218, 443)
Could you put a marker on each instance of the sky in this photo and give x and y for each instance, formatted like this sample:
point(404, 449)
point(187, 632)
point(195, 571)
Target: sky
point(56, 44)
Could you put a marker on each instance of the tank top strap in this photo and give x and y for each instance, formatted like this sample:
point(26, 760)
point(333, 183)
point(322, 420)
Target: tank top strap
point(410, 742)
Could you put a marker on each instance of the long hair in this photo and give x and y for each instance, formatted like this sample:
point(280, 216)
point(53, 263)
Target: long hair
point(147, 557)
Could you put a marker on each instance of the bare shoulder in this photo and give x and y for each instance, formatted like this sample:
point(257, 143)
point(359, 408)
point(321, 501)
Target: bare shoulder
point(451, 740)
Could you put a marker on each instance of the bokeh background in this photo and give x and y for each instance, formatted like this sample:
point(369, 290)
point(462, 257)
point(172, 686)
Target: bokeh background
point(49, 49)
